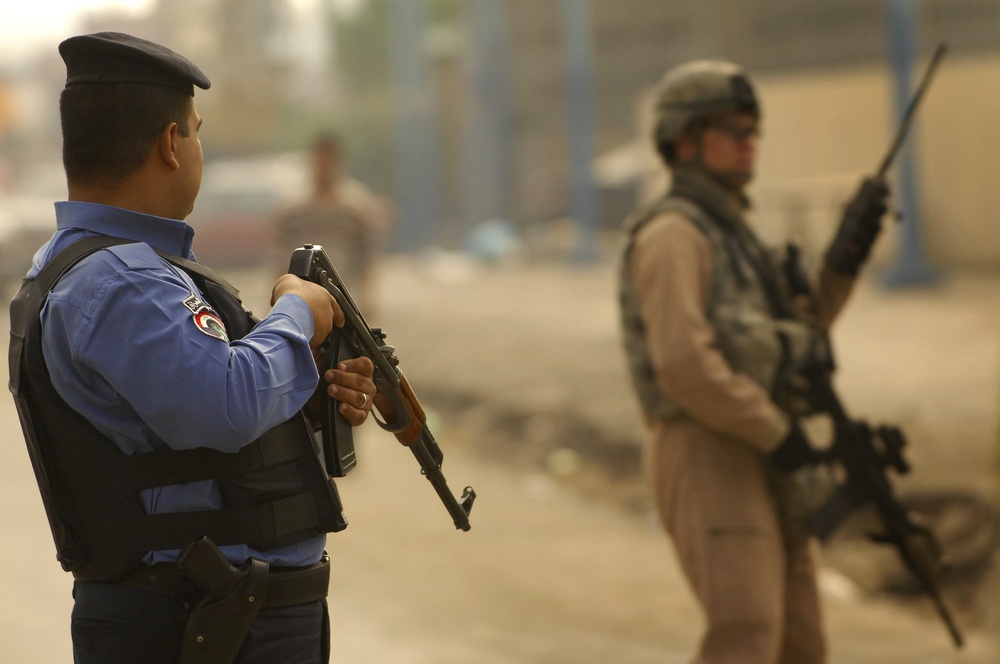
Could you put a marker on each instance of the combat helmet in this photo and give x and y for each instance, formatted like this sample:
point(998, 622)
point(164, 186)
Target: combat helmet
point(695, 89)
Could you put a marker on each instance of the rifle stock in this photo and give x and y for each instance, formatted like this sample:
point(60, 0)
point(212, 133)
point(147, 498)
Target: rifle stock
point(400, 411)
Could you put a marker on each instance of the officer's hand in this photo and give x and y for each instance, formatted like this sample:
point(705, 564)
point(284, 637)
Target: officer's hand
point(860, 225)
point(794, 452)
point(326, 312)
point(351, 384)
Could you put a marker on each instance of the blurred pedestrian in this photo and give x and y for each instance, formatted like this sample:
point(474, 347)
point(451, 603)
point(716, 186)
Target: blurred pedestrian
point(712, 323)
point(344, 216)
point(164, 422)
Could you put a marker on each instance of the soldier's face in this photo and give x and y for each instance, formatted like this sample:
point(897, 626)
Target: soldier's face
point(728, 148)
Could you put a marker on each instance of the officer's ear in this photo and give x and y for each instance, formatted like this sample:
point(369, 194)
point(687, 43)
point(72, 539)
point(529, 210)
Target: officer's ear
point(167, 146)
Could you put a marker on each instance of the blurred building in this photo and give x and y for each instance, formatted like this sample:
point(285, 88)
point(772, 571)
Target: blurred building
point(31, 134)
point(243, 46)
point(494, 84)
point(823, 73)
point(250, 49)
point(247, 47)
point(483, 109)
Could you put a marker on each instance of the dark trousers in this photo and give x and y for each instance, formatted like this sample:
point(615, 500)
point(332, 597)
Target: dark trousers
point(115, 624)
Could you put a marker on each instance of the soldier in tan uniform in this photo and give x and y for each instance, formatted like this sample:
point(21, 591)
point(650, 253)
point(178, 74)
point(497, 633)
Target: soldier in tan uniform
point(344, 216)
point(713, 325)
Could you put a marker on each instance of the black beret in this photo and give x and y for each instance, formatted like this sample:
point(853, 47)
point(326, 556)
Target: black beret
point(114, 57)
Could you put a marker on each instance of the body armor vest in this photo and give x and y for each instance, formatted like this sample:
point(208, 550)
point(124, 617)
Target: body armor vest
point(757, 330)
point(275, 491)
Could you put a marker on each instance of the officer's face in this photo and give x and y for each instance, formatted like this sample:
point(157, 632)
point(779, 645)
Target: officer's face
point(191, 163)
point(728, 148)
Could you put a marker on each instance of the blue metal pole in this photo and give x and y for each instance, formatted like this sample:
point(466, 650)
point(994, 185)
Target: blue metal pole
point(417, 157)
point(910, 268)
point(580, 100)
point(488, 132)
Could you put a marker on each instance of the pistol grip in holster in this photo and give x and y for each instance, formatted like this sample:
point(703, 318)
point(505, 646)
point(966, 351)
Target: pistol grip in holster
point(219, 623)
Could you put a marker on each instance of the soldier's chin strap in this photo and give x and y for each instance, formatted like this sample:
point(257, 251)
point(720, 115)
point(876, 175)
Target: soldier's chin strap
point(732, 180)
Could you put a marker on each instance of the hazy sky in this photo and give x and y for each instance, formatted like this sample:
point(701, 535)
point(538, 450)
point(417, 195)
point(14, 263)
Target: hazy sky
point(30, 24)
point(27, 25)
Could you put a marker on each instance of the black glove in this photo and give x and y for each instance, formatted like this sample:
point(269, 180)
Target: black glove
point(794, 452)
point(859, 227)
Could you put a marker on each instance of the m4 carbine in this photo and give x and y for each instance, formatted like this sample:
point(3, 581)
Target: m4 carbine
point(866, 455)
point(395, 401)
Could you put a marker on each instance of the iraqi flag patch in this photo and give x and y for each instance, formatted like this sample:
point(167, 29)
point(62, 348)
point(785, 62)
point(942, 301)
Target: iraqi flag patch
point(205, 318)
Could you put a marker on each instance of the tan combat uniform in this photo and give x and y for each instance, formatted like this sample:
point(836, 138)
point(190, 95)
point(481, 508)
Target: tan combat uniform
point(712, 430)
point(348, 225)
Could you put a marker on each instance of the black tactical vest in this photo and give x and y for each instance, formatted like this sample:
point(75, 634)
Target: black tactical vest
point(275, 491)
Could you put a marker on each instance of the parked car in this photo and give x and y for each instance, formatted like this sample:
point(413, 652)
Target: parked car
point(238, 203)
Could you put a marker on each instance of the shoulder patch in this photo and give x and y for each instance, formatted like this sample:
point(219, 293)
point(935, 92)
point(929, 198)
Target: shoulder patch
point(205, 318)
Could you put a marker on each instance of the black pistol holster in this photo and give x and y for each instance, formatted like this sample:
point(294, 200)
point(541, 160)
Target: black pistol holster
point(232, 597)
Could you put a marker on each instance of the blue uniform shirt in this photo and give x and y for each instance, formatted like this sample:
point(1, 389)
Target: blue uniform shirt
point(128, 347)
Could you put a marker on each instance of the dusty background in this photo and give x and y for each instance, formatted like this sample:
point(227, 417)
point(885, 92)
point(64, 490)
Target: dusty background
point(520, 370)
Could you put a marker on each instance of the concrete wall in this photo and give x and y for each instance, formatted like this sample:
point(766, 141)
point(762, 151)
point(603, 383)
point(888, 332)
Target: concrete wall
point(822, 133)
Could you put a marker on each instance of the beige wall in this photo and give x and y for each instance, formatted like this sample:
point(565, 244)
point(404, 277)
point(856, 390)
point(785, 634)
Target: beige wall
point(822, 133)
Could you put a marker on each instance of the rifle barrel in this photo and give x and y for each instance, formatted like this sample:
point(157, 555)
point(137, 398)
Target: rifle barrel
point(904, 126)
point(942, 609)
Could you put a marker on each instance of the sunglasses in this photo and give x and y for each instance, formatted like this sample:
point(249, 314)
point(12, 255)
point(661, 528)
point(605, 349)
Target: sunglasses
point(737, 130)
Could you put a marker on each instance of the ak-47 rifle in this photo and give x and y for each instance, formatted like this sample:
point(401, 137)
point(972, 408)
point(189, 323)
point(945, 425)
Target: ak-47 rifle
point(866, 454)
point(395, 401)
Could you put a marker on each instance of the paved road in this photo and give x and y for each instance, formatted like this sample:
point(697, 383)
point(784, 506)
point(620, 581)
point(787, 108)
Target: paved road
point(547, 575)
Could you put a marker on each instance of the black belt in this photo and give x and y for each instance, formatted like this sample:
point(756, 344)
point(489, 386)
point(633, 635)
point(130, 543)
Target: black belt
point(286, 586)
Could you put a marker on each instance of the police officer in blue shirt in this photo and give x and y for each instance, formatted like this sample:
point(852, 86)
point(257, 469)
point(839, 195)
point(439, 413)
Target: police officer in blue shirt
point(165, 424)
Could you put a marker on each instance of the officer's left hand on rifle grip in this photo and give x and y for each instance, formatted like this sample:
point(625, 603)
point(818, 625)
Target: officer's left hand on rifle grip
point(350, 383)
point(860, 225)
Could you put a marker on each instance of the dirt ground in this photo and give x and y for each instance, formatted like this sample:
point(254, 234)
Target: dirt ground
point(520, 371)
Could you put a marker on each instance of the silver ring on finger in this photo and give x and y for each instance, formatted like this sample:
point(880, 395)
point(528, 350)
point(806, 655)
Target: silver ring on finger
point(365, 402)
